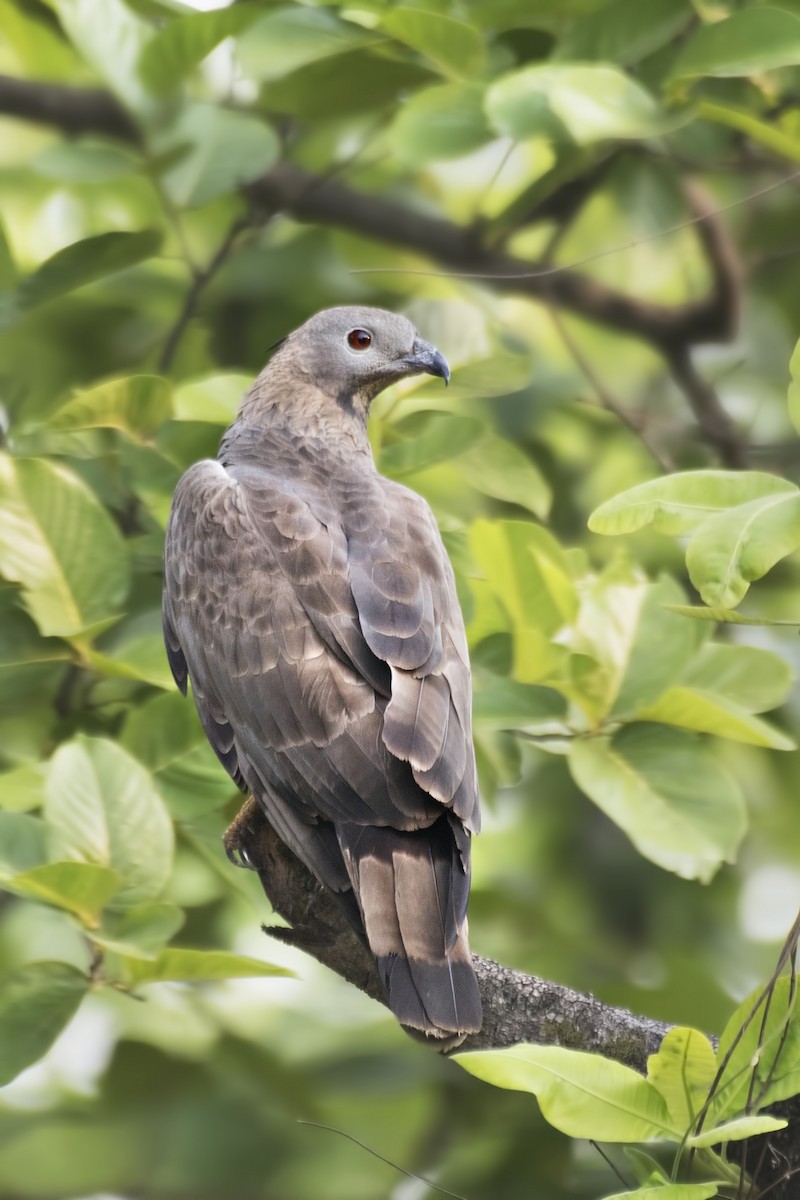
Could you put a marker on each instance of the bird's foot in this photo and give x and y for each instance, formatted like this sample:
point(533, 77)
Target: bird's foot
point(235, 836)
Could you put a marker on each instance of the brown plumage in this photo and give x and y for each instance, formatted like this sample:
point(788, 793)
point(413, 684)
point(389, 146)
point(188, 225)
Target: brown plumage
point(311, 603)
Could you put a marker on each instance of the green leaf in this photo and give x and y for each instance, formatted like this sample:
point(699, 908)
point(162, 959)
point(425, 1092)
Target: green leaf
point(84, 161)
point(137, 404)
point(439, 123)
point(110, 37)
point(505, 704)
point(294, 37)
point(165, 734)
point(589, 103)
point(735, 1131)
point(670, 1191)
point(197, 966)
point(140, 657)
point(83, 262)
point(707, 712)
point(178, 48)
point(624, 31)
point(222, 150)
point(211, 398)
point(22, 788)
point(794, 387)
point(455, 47)
point(677, 804)
point(21, 840)
point(36, 1003)
point(755, 679)
point(678, 504)
point(769, 1045)
point(103, 808)
point(752, 40)
point(732, 549)
point(500, 469)
point(583, 1095)
point(141, 931)
point(78, 887)
point(441, 439)
point(639, 648)
point(20, 641)
point(61, 546)
point(683, 1071)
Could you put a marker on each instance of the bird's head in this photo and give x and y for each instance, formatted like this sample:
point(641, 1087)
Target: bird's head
point(353, 353)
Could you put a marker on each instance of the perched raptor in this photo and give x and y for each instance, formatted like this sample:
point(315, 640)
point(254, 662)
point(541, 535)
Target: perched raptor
point(311, 603)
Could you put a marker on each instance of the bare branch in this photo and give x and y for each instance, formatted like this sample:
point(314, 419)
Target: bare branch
point(72, 110)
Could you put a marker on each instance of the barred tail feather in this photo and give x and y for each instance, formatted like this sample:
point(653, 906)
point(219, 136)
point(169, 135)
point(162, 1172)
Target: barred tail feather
point(412, 892)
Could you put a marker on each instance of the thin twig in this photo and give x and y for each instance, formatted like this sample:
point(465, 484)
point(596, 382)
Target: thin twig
point(606, 399)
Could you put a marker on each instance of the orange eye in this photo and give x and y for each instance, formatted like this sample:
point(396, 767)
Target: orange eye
point(359, 339)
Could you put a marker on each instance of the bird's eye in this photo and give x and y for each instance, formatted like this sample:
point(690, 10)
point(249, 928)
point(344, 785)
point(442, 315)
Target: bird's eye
point(359, 339)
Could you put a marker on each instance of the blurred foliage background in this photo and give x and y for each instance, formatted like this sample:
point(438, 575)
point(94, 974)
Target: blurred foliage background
point(180, 189)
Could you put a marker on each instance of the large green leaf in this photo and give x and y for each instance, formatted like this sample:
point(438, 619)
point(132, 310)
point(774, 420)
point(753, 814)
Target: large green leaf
point(761, 1038)
point(292, 37)
point(221, 150)
point(61, 546)
point(708, 712)
point(197, 966)
point(22, 788)
point(505, 704)
point(211, 398)
point(498, 468)
point(21, 840)
point(754, 1125)
point(727, 616)
point(676, 803)
point(183, 43)
point(165, 735)
point(441, 438)
point(755, 679)
point(624, 31)
point(36, 1002)
point(103, 808)
point(590, 103)
point(732, 549)
point(440, 122)
point(141, 931)
point(454, 46)
point(137, 404)
point(110, 37)
point(670, 1191)
point(583, 1095)
point(683, 1071)
point(81, 263)
point(81, 888)
point(84, 161)
point(678, 504)
point(752, 40)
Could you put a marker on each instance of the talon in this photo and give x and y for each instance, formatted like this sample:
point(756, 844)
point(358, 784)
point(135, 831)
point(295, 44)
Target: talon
point(234, 836)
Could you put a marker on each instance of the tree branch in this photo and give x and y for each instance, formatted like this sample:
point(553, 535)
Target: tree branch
point(70, 109)
point(516, 1007)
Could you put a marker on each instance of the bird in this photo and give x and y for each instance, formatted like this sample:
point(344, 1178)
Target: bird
point(311, 603)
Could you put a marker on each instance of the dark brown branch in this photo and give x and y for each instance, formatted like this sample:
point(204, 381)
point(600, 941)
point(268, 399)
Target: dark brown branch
point(517, 1007)
point(72, 110)
point(716, 425)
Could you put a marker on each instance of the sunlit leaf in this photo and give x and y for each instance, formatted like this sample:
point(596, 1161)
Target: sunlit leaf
point(83, 262)
point(84, 161)
point(735, 1131)
point(138, 405)
point(624, 31)
point(291, 37)
point(677, 504)
point(61, 546)
point(500, 469)
point(440, 123)
point(732, 549)
point(36, 1002)
point(727, 616)
point(748, 41)
point(683, 1071)
point(141, 931)
point(590, 103)
point(221, 150)
point(211, 398)
point(103, 808)
point(197, 966)
point(81, 888)
point(456, 47)
point(110, 36)
point(755, 679)
point(768, 1045)
point(677, 804)
point(183, 43)
point(22, 788)
point(707, 712)
point(583, 1095)
point(670, 1191)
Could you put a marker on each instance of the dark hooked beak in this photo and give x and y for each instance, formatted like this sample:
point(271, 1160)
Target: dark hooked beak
point(426, 359)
